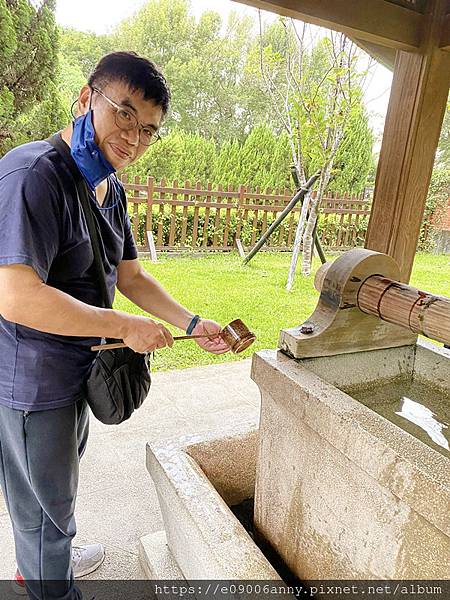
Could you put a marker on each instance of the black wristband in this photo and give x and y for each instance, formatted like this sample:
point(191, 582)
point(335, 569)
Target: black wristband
point(192, 324)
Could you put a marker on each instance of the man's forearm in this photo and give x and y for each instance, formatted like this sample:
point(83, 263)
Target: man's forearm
point(49, 310)
point(148, 294)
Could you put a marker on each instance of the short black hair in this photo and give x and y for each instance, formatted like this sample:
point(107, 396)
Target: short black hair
point(139, 73)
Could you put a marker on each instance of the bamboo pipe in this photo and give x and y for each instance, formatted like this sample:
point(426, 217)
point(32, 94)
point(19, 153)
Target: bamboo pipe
point(401, 304)
point(404, 305)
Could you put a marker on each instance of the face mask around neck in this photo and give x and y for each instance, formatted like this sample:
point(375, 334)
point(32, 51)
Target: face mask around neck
point(85, 152)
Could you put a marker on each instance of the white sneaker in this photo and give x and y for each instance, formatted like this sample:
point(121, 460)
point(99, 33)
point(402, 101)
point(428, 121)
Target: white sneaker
point(86, 559)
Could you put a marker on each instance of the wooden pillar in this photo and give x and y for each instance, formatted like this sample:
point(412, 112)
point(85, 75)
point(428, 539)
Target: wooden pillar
point(413, 124)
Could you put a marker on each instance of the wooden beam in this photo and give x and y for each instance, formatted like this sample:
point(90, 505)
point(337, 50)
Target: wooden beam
point(382, 54)
point(411, 135)
point(375, 21)
point(445, 34)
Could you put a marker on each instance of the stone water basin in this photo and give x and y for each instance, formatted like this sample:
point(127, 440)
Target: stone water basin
point(341, 492)
point(197, 478)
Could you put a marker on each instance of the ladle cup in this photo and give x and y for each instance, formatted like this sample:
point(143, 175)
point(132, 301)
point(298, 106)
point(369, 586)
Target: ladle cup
point(236, 334)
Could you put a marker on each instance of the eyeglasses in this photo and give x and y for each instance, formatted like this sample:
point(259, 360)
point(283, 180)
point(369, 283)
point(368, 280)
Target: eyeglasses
point(127, 121)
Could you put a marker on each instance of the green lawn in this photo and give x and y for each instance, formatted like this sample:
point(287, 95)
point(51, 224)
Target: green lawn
point(220, 288)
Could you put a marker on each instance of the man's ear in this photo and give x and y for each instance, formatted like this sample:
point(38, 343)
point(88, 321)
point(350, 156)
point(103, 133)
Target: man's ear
point(84, 100)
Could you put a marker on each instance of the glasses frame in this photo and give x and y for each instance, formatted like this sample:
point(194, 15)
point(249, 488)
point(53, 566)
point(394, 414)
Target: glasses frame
point(138, 125)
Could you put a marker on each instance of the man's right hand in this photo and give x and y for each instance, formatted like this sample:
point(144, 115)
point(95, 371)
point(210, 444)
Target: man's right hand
point(142, 334)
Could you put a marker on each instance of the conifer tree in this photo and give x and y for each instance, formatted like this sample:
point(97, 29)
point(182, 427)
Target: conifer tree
point(354, 158)
point(228, 164)
point(198, 158)
point(28, 61)
point(256, 156)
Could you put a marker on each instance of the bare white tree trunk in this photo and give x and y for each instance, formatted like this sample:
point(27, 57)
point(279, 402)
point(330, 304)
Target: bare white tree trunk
point(297, 241)
point(308, 238)
point(334, 134)
point(308, 241)
point(299, 97)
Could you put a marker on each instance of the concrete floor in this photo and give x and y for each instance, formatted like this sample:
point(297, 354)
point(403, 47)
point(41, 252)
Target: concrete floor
point(117, 502)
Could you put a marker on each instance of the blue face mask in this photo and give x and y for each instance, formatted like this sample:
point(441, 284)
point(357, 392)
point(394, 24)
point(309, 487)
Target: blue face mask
point(85, 152)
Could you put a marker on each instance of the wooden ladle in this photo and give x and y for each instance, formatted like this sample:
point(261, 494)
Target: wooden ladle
point(236, 334)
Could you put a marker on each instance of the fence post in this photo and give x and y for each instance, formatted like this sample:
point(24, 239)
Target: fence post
point(184, 221)
point(219, 198)
point(341, 224)
point(149, 221)
point(264, 208)
point(241, 200)
point(227, 218)
point(255, 215)
point(198, 187)
point(282, 229)
point(160, 241)
point(207, 211)
point(356, 220)
point(136, 212)
point(173, 216)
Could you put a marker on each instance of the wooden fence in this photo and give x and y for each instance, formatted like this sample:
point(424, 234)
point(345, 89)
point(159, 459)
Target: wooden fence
point(195, 217)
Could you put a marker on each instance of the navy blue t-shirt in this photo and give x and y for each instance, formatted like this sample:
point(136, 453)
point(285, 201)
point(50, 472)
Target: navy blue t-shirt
point(42, 225)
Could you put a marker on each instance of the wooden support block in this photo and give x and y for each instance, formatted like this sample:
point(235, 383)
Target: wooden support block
point(338, 326)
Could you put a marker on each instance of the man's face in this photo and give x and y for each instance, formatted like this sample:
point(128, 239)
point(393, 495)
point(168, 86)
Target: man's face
point(120, 147)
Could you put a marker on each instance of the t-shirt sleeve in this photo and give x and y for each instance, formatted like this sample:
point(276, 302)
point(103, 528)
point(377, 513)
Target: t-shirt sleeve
point(29, 221)
point(129, 245)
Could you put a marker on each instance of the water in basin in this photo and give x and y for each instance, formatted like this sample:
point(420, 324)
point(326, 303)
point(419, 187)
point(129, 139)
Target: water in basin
point(415, 405)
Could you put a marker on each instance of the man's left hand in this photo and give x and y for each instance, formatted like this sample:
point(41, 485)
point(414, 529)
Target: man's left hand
point(215, 345)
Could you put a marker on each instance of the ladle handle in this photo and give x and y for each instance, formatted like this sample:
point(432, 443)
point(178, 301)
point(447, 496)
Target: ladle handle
point(116, 345)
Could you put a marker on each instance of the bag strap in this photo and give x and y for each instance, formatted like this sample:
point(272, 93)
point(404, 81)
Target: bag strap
point(82, 193)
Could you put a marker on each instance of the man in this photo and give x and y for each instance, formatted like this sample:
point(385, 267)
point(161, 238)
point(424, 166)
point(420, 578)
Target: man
point(50, 315)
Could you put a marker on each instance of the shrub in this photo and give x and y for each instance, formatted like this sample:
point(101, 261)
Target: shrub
point(438, 194)
point(328, 232)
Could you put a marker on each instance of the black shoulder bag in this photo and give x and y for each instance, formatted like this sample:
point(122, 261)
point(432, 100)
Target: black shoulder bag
point(119, 380)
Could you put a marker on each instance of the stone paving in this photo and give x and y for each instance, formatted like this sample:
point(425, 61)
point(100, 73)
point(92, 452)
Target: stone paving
point(117, 502)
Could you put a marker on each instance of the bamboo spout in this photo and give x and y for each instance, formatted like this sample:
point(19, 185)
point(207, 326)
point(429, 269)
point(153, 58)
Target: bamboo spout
point(400, 304)
point(405, 305)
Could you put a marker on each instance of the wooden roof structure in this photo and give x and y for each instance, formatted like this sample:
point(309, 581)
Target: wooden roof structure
point(413, 38)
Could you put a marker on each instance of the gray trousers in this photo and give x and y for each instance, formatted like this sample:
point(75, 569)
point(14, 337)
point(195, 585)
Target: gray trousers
point(39, 463)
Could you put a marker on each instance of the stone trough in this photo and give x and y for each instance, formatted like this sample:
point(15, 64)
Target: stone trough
point(340, 491)
point(197, 478)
